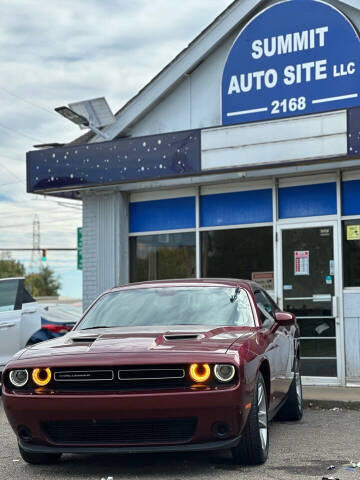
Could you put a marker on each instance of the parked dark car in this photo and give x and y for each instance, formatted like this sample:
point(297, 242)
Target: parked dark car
point(56, 320)
point(160, 367)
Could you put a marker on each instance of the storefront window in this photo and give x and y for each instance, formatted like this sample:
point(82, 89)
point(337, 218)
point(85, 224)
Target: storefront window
point(242, 253)
point(351, 253)
point(161, 257)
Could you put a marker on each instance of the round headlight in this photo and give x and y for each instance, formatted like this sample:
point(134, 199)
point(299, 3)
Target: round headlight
point(224, 373)
point(19, 378)
point(41, 376)
point(200, 372)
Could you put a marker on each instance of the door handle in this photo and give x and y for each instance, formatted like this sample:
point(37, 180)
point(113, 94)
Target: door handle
point(27, 312)
point(7, 325)
point(335, 307)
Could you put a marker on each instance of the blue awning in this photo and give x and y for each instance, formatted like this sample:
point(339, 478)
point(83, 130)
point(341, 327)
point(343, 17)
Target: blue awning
point(118, 161)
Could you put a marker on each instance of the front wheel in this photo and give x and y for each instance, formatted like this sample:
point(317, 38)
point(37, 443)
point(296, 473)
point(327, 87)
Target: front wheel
point(253, 447)
point(39, 458)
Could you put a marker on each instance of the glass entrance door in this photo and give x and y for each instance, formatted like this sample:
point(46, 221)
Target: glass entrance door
point(308, 289)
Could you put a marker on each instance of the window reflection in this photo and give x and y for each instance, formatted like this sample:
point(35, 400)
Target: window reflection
point(237, 253)
point(351, 253)
point(161, 257)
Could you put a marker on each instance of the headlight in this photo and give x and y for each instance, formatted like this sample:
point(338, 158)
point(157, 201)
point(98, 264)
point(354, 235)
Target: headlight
point(41, 376)
point(18, 378)
point(200, 372)
point(224, 373)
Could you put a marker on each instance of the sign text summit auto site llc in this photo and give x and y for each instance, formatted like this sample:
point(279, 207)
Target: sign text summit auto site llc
point(290, 60)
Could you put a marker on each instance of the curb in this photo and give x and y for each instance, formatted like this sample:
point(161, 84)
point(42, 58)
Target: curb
point(331, 404)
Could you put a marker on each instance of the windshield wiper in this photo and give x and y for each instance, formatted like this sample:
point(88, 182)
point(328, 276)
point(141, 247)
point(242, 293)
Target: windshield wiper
point(236, 293)
point(100, 326)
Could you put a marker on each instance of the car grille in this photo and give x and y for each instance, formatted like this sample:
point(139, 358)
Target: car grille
point(151, 374)
point(130, 432)
point(124, 378)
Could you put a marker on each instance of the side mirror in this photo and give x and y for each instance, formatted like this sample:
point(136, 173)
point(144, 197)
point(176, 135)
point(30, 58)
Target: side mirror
point(284, 319)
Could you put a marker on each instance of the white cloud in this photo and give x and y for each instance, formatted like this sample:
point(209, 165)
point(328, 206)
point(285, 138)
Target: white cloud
point(52, 53)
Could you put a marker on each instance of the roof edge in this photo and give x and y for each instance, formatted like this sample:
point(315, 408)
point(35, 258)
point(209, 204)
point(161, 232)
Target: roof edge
point(185, 61)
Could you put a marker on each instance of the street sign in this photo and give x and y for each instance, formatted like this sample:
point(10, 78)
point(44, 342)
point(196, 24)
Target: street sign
point(79, 246)
point(294, 58)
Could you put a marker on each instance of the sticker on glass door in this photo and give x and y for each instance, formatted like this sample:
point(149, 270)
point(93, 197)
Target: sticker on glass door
point(302, 262)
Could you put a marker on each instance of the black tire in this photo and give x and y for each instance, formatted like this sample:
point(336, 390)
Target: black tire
point(292, 410)
point(39, 458)
point(252, 450)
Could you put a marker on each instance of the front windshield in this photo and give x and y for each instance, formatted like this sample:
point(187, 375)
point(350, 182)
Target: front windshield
point(171, 306)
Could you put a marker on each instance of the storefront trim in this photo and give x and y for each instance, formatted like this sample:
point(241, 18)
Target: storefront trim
point(339, 319)
point(161, 232)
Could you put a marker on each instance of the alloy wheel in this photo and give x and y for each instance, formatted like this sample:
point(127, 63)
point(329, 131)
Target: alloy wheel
point(262, 416)
point(298, 388)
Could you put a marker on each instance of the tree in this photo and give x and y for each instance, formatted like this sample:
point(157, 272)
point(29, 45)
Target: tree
point(44, 283)
point(10, 267)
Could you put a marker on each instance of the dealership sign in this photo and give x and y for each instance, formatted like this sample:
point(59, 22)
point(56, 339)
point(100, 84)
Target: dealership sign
point(294, 58)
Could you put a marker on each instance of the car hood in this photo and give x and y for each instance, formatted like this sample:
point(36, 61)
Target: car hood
point(179, 339)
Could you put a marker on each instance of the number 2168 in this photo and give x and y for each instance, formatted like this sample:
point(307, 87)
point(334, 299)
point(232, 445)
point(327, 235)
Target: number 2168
point(288, 105)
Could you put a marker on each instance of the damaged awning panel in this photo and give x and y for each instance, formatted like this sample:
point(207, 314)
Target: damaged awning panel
point(118, 161)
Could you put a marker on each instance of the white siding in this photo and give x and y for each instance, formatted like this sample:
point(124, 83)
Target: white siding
point(105, 243)
point(89, 247)
point(292, 139)
point(352, 335)
point(195, 102)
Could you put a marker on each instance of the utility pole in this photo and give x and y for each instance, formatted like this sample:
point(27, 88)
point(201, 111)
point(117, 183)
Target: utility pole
point(36, 255)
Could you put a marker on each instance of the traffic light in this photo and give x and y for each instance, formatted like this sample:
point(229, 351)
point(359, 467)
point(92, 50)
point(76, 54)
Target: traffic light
point(43, 256)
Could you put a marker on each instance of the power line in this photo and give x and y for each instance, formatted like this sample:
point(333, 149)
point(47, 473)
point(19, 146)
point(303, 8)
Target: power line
point(29, 225)
point(11, 183)
point(12, 173)
point(28, 101)
point(17, 132)
point(56, 249)
point(51, 215)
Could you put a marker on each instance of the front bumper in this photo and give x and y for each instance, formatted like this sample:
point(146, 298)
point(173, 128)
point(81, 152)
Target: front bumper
point(190, 447)
point(208, 407)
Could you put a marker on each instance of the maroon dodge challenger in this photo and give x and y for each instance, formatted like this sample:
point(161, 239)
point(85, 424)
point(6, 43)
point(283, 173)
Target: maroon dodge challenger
point(165, 366)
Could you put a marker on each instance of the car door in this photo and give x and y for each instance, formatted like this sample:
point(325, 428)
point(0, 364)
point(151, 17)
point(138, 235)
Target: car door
point(19, 317)
point(10, 319)
point(30, 315)
point(279, 347)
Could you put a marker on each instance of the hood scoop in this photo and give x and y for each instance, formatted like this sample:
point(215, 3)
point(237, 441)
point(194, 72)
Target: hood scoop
point(84, 339)
point(181, 336)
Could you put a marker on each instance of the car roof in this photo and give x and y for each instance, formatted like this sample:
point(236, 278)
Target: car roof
point(189, 282)
point(11, 278)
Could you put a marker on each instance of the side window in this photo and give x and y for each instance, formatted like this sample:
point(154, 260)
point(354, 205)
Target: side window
point(9, 293)
point(245, 315)
point(266, 308)
point(274, 307)
point(26, 297)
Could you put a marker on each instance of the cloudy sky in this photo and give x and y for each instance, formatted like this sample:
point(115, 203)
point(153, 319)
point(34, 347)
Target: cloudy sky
point(53, 53)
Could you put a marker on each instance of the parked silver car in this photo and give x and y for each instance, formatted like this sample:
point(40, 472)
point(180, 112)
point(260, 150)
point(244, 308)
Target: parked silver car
point(19, 318)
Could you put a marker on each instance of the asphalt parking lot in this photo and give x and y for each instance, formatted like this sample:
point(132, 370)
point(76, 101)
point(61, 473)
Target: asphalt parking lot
point(298, 451)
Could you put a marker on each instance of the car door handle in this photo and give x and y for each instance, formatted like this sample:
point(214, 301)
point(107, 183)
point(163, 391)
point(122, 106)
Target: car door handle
point(27, 312)
point(7, 325)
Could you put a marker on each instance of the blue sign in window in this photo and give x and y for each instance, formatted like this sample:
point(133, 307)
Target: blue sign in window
point(235, 208)
point(307, 200)
point(167, 214)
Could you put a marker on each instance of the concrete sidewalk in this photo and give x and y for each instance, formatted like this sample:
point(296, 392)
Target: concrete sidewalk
point(330, 397)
